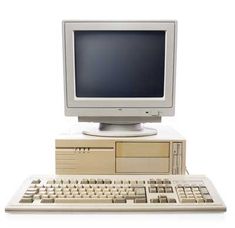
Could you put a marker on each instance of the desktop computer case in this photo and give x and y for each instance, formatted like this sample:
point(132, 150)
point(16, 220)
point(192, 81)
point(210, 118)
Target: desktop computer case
point(163, 153)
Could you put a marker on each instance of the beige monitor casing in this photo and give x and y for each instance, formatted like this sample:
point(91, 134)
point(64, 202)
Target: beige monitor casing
point(119, 110)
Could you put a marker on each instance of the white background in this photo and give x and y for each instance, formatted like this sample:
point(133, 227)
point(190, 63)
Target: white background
point(31, 99)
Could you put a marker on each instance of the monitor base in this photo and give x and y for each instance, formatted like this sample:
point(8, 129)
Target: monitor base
point(121, 130)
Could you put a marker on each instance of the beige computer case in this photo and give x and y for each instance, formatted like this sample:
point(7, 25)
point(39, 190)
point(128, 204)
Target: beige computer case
point(163, 153)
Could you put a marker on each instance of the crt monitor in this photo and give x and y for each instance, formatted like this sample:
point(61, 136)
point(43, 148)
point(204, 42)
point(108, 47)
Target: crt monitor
point(119, 74)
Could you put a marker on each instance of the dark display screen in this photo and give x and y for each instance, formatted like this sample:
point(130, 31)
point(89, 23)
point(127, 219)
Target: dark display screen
point(119, 63)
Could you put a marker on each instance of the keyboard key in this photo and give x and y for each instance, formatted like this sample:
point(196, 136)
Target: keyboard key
point(163, 199)
point(160, 189)
point(85, 181)
point(204, 190)
point(159, 181)
point(26, 200)
point(119, 200)
point(83, 200)
point(166, 181)
point(107, 181)
point(200, 200)
point(180, 189)
point(171, 200)
point(50, 182)
point(36, 197)
point(92, 181)
point(140, 191)
point(59, 181)
point(152, 189)
point(208, 198)
point(168, 189)
point(151, 181)
point(36, 181)
point(100, 181)
point(27, 195)
point(47, 200)
point(187, 200)
point(140, 200)
point(154, 200)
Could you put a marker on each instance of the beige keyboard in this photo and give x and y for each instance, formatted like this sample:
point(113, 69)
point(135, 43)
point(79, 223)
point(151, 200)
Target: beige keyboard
point(117, 193)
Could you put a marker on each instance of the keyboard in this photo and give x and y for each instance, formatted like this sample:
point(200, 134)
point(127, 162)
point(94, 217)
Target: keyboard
point(116, 193)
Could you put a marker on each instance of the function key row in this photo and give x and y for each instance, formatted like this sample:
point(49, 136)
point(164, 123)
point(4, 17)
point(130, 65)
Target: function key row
point(159, 181)
point(83, 181)
point(91, 181)
point(102, 181)
point(96, 181)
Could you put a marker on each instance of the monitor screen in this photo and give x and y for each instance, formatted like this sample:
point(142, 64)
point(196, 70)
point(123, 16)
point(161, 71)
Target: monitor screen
point(121, 64)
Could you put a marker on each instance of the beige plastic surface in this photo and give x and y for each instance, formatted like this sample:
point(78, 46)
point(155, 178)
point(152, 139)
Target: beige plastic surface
point(83, 142)
point(142, 149)
point(163, 153)
point(217, 205)
point(94, 160)
point(142, 165)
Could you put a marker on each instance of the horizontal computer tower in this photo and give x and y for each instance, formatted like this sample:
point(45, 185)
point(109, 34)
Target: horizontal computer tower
point(163, 153)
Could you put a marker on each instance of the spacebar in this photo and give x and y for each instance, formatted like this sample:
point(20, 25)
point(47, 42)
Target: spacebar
point(82, 200)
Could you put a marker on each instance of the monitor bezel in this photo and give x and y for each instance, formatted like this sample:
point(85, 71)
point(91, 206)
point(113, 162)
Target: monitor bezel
point(75, 105)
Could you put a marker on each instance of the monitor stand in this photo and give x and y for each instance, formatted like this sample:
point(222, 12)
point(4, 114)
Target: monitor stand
point(121, 130)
